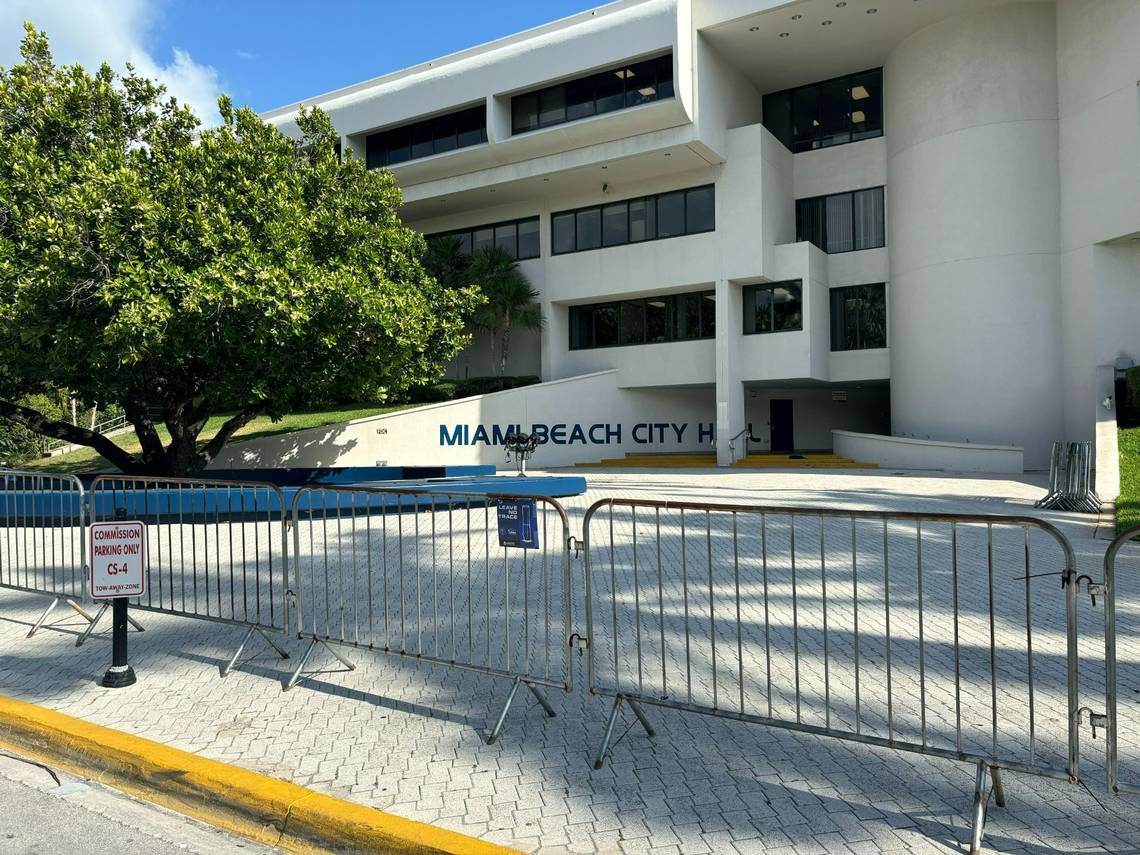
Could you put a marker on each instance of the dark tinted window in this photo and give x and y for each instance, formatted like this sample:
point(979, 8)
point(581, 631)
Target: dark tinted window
point(859, 317)
point(776, 307)
point(671, 214)
point(843, 222)
point(519, 238)
point(670, 317)
point(844, 109)
point(425, 138)
point(613, 89)
point(700, 210)
point(562, 232)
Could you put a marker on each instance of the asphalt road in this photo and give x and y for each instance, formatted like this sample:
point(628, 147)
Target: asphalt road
point(40, 817)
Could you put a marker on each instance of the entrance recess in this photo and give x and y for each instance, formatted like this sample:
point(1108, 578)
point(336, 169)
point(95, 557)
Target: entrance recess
point(780, 421)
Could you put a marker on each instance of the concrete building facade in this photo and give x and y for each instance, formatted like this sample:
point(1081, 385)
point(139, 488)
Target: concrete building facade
point(907, 218)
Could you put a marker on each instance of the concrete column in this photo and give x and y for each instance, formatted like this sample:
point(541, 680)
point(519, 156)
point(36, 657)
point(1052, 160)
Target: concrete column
point(972, 230)
point(729, 389)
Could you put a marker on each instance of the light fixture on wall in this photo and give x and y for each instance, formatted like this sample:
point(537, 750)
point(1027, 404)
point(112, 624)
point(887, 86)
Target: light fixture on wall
point(784, 35)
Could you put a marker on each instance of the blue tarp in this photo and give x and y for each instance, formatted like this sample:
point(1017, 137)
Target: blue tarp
point(22, 504)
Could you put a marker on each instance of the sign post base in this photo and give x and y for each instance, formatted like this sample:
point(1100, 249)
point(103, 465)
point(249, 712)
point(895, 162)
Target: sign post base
point(119, 676)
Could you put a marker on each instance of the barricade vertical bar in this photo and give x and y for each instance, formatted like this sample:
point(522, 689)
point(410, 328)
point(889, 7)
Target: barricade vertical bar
point(661, 602)
point(685, 597)
point(957, 648)
point(739, 639)
point(826, 651)
point(993, 635)
point(855, 615)
point(887, 637)
point(921, 638)
point(613, 595)
point(636, 601)
point(712, 606)
point(795, 616)
point(767, 619)
point(419, 598)
point(1029, 658)
point(368, 552)
point(434, 586)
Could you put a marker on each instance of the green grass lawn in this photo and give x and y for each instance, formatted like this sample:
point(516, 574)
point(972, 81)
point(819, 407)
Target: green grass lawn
point(1128, 505)
point(86, 460)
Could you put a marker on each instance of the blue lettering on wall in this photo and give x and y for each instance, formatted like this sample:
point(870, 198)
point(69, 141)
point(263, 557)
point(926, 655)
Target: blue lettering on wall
point(601, 433)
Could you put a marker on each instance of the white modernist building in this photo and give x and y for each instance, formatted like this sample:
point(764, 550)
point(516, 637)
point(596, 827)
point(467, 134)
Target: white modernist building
point(910, 228)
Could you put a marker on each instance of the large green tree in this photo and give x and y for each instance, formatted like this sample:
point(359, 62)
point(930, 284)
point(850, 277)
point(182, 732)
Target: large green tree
point(181, 272)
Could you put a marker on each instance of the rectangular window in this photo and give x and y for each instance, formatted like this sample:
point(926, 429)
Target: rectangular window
point(669, 317)
point(859, 317)
point(616, 88)
point(843, 222)
point(518, 238)
point(680, 212)
point(832, 112)
point(427, 137)
point(774, 307)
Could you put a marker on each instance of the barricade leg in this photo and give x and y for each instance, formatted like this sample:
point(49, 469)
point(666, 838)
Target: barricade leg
point(981, 800)
point(39, 622)
point(999, 789)
point(296, 678)
point(600, 760)
point(91, 626)
point(92, 621)
point(534, 690)
point(229, 666)
point(497, 729)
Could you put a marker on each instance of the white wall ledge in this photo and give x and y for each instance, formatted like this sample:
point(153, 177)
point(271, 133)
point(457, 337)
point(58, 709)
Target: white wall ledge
point(901, 452)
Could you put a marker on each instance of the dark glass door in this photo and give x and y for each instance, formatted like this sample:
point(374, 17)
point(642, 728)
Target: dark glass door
point(780, 415)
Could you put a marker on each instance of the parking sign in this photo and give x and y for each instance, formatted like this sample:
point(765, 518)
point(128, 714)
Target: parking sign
point(118, 559)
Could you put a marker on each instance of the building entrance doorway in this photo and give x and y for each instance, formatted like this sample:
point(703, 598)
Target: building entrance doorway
point(780, 425)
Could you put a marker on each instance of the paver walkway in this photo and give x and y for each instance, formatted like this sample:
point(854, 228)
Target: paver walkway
point(408, 737)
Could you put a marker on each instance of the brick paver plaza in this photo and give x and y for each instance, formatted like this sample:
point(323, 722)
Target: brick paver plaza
point(408, 737)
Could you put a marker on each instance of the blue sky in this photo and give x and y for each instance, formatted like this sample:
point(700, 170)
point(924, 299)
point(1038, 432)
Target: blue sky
point(264, 53)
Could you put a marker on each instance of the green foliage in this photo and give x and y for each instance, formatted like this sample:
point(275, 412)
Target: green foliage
point(432, 393)
point(1128, 503)
point(17, 443)
point(147, 263)
point(509, 299)
point(1128, 413)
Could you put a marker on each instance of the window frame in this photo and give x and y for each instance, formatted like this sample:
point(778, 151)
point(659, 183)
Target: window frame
point(651, 219)
point(614, 98)
point(836, 295)
point(802, 205)
point(670, 310)
point(786, 284)
point(470, 231)
point(779, 112)
point(377, 145)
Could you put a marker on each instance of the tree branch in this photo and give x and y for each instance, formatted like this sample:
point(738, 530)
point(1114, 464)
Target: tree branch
point(38, 423)
point(212, 448)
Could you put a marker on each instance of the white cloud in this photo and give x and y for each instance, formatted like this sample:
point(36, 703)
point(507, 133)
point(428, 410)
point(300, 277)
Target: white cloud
point(114, 31)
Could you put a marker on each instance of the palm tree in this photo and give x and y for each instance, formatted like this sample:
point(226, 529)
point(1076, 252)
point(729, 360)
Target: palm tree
point(510, 299)
point(447, 261)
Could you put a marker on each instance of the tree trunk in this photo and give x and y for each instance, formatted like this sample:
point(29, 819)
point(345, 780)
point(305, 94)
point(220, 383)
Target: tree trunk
point(505, 350)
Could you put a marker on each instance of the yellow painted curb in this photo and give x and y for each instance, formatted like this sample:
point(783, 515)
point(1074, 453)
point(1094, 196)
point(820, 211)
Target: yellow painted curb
point(264, 809)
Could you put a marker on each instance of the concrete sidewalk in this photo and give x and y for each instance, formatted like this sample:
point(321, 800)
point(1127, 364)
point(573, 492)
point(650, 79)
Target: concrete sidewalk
point(408, 738)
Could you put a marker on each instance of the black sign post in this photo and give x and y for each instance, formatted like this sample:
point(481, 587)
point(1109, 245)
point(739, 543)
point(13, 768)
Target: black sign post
point(120, 673)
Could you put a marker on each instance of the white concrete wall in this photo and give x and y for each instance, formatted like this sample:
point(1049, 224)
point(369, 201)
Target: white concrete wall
point(904, 453)
point(973, 195)
point(611, 422)
point(1098, 63)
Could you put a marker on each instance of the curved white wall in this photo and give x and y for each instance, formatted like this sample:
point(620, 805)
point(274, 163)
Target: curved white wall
point(973, 230)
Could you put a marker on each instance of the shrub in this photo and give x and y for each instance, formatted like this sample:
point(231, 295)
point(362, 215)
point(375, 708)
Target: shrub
point(484, 385)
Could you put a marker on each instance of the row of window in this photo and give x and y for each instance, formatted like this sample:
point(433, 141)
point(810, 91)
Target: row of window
point(669, 317)
point(518, 238)
point(858, 316)
point(843, 222)
point(427, 137)
point(681, 212)
point(842, 110)
point(613, 89)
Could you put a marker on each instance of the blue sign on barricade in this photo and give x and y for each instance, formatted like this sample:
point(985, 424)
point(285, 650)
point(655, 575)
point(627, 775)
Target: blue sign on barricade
point(517, 523)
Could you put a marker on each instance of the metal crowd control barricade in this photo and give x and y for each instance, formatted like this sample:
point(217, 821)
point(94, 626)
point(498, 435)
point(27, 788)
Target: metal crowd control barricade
point(949, 636)
point(422, 575)
point(215, 550)
point(43, 543)
point(1114, 724)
